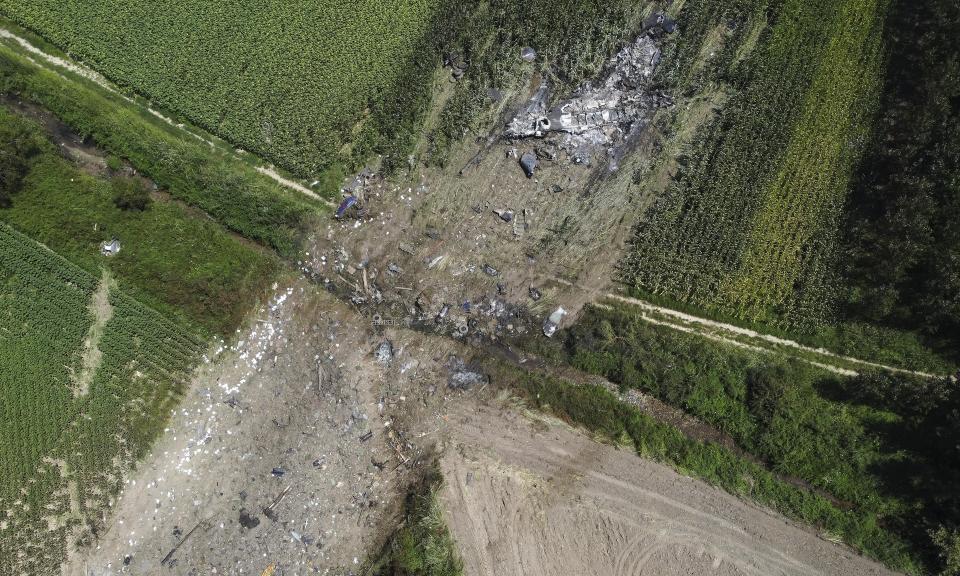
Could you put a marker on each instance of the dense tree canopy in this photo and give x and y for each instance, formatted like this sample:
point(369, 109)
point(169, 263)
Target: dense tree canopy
point(904, 232)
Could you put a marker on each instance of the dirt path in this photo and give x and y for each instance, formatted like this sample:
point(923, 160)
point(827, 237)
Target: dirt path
point(691, 323)
point(102, 311)
point(40, 57)
point(537, 498)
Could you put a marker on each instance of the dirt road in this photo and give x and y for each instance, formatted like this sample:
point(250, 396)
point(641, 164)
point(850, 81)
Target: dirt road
point(537, 498)
point(730, 334)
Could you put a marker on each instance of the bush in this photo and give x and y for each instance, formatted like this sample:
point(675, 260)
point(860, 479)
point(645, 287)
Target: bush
point(130, 194)
point(948, 541)
point(20, 143)
point(422, 546)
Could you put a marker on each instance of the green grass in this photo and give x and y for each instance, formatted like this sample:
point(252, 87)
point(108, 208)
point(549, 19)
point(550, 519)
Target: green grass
point(749, 227)
point(602, 413)
point(176, 260)
point(422, 545)
point(863, 340)
point(207, 177)
point(287, 81)
point(62, 455)
point(867, 441)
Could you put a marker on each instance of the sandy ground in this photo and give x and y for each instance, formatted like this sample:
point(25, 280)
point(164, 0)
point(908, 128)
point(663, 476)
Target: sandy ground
point(256, 409)
point(299, 406)
point(531, 496)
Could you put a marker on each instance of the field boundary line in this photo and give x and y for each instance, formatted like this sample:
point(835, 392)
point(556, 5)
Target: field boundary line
point(102, 81)
point(686, 318)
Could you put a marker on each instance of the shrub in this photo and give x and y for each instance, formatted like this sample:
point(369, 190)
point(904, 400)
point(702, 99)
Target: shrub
point(130, 194)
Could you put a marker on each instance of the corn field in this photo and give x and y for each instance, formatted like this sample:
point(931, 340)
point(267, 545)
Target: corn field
point(63, 456)
point(750, 225)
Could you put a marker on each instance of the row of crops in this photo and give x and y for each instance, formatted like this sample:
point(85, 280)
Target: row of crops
point(62, 457)
point(749, 227)
point(288, 80)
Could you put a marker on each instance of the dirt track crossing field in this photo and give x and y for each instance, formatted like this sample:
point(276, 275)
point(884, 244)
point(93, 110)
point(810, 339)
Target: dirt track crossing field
point(535, 498)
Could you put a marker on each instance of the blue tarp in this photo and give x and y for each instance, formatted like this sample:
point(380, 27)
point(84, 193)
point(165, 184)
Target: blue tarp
point(347, 202)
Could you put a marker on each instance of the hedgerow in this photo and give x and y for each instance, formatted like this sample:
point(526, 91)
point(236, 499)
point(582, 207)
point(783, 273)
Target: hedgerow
point(201, 175)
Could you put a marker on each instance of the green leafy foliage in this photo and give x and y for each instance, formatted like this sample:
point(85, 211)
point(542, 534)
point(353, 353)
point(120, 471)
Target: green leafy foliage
point(179, 262)
point(19, 144)
point(601, 412)
point(422, 546)
point(882, 446)
point(949, 544)
point(193, 171)
point(903, 233)
point(130, 194)
point(289, 81)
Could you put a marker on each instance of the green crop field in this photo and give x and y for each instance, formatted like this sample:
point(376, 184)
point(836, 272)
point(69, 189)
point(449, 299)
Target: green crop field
point(88, 376)
point(750, 226)
point(207, 177)
point(181, 263)
point(289, 81)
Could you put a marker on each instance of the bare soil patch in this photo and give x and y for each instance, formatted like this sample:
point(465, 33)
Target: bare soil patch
point(535, 497)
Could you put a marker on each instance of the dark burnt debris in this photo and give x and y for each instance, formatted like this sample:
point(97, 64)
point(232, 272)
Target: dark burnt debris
point(601, 116)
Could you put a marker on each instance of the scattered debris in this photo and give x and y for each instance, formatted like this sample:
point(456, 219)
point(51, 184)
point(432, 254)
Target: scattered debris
point(357, 182)
point(505, 215)
point(111, 248)
point(270, 511)
point(463, 377)
point(529, 163)
point(535, 294)
point(528, 54)
point(278, 472)
point(247, 521)
point(601, 116)
point(546, 153)
point(661, 21)
point(457, 64)
point(490, 270)
point(166, 559)
point(553, 322)
point(384, 352)
point(345, 205)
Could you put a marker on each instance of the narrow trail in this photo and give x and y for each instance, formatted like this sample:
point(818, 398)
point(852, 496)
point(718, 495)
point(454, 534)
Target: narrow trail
point(101, 81)
point(698, 325)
